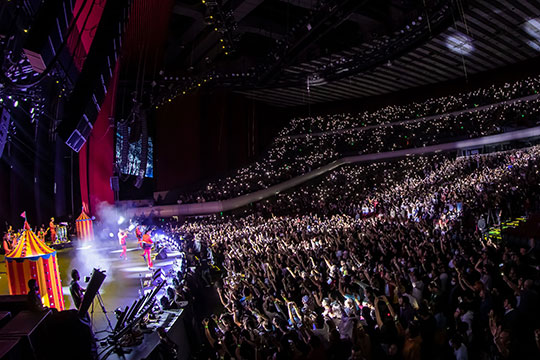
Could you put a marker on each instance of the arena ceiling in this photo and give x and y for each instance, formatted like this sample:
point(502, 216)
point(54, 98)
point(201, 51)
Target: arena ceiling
point(293, 52)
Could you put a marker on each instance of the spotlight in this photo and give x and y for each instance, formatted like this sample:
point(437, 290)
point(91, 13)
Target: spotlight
point(121, 219)
point(460, 44)
point(111, 235)
point(16, 103)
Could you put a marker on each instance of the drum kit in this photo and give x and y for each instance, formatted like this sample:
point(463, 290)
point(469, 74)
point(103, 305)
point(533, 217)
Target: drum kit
point(62, 232)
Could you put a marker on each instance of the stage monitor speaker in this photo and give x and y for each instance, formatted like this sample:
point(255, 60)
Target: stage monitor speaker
point(92, 289)
point(162, 255)
point(13, 303)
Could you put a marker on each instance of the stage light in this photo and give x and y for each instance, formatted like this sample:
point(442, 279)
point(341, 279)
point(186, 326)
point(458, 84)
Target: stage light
point(460, 44)
point(532, 27)
point(121, 219)
point(15, 103)
point(111, 234)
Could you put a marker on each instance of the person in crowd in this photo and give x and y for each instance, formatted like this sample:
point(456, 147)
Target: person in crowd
point(386, 260)
point(411, 278)
point(33, 298)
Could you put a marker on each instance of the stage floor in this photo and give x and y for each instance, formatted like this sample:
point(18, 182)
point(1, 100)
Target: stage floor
point(123, 281)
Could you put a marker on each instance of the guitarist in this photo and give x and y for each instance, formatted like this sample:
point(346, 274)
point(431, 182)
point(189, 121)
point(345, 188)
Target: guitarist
point(42, 232)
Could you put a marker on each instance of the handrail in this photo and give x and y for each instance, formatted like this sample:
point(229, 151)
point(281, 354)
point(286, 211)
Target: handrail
point(243, 200)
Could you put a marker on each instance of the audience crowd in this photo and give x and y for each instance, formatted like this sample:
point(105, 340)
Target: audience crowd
point(430, 107)
point(396, 269)
point(386, 260)
point(288, 157)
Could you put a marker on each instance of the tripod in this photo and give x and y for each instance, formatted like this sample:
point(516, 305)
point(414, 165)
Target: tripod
point(100, 300)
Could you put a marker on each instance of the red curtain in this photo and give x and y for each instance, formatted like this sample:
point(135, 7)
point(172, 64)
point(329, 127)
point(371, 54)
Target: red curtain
point(146, 35)
point(81, 37)
point(144, 40)
point(97, 155)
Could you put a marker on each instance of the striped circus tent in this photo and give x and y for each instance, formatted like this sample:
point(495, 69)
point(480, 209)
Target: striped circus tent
point(85, 227)
point(32, 259)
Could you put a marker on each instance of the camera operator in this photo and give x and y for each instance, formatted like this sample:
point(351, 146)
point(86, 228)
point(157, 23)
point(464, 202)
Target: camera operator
point(77, 292)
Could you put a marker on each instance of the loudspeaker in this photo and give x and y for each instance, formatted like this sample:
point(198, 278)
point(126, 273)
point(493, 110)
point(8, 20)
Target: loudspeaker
point(115, 183)
point(138, 182)
point(162, 254)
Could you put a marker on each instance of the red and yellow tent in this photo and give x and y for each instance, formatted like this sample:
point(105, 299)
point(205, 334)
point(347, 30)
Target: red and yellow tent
point(85, 227)
point(32, 259)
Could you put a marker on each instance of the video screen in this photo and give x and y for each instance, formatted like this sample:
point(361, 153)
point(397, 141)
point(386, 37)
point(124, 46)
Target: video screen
point(134, 157)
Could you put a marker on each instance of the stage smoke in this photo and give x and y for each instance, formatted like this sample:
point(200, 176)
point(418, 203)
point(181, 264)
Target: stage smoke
point(95, 254)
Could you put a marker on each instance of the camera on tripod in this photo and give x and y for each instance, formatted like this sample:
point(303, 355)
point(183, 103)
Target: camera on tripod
point(88, 278)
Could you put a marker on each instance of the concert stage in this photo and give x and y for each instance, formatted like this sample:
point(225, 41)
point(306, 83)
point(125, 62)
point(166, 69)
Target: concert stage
point(120, 288)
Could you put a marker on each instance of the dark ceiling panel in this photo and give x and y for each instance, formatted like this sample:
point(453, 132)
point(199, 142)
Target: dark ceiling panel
point(495, 27)
point(262, 30)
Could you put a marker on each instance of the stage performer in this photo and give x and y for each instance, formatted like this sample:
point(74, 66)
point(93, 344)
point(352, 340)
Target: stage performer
point(52, 228)
point(138, 234)
point(42, 232)
point(7, 243)
point(122, 236)
point(146, 244)
point(13, 237)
